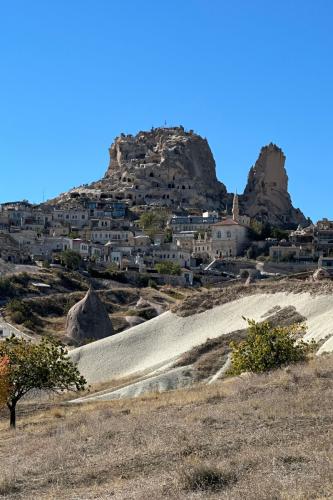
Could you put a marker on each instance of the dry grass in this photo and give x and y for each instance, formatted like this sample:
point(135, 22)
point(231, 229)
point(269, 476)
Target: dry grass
point(254, 437)
point(204, 300)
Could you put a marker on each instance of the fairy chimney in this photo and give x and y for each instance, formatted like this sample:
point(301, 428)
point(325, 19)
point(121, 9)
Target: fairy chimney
point(88, 320)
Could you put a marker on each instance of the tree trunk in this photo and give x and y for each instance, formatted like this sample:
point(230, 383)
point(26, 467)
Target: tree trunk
point(12, 418)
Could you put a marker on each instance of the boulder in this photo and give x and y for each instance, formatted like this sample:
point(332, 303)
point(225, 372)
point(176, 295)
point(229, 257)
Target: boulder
point(88, 320)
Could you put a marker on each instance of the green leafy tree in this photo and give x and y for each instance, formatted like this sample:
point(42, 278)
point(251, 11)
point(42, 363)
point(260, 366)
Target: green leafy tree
point(168, 267)
point(267, 347)
point(167, 235)
point(70, 259)
point(153, 221)
point(27, 366)
point(279, 234)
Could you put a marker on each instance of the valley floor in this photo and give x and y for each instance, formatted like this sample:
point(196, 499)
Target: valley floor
point(249, 437)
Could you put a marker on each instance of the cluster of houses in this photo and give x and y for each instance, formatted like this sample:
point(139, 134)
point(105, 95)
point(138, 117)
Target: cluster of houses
point(308, 244)
point(106, 231)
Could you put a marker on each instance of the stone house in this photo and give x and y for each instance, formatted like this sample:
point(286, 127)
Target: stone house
point(170, 252)
point(304, 239)
point(77, 245)
point(324, 238)
point(141, 242)
point(179, 223)
point(202, 246)
point(105, 208)
point(74, 217)
point(114, 235)
point(57, 229)
point(326, 263)
point(228, 239)
point(279, 253)
point(184, 240)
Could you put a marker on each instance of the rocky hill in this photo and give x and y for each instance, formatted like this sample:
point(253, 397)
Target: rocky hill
point(172, 167)
point(166, 166)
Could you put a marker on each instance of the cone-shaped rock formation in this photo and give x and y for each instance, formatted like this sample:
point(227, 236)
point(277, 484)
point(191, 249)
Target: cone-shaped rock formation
point(266, 195)
point(88, 319)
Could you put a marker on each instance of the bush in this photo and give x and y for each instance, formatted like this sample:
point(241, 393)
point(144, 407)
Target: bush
point(29, 324)
point(70, 259)
point(203, 477)
point(18, 317)
point(6, 288)
point(152, 284)
point(153, 221)
point(168, 267)
point(267, 347)
point(20, 312)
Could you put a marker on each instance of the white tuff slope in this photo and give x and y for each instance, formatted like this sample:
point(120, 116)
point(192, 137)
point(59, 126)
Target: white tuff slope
point(159, 342)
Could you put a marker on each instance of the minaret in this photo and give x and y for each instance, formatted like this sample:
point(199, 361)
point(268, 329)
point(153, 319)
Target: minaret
point(235, 208)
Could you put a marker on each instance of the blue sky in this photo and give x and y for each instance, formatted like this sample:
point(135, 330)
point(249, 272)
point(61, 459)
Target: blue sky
point(75, 74)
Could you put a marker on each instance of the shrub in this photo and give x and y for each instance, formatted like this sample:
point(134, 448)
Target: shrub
point(70, 259)
point(18, 317)
point(21, 279)
point(6, 288)
point(21, 312)
point(268, 347)
point(30, 324)
point(152, 284)
point(203, 477)
point(168, 267)
point(153, 221)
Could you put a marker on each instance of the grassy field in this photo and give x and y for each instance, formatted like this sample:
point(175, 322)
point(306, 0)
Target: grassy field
point(252, 437)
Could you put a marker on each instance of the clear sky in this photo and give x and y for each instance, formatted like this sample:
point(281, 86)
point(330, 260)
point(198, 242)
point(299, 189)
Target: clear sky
point(76, 73)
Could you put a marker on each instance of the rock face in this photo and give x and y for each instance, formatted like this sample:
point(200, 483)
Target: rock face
point(165, 167)
point(88, 320)
point(266, 196)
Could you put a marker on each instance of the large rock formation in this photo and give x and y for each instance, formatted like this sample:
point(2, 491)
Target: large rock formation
point(88, 320)
point(266, 196)
point(170, 167)
point(165, 167)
